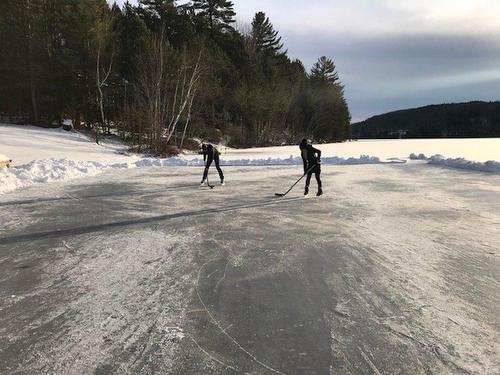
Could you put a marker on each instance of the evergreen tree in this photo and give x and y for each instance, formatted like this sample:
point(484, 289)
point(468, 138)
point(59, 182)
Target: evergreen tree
point(324, 72)
point(132, 34)
point(218, 14)
point(264, 37)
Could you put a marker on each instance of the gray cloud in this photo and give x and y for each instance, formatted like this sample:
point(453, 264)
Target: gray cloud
point(387, 72)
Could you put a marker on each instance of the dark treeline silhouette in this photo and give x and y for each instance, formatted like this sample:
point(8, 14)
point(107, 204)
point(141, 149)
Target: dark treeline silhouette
point(474, 119)
point(161, 73)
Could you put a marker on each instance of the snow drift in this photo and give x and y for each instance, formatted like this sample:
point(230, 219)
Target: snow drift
point(50, 170)
point(460, 163)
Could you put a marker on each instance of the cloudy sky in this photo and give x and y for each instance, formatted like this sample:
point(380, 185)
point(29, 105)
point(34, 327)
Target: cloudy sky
point(394, 54)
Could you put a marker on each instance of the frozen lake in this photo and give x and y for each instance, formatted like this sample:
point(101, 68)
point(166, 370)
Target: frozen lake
point(395, 270)
point(474, 149)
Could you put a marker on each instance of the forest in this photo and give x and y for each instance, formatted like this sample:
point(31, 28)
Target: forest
point(473, 119)
point(161, 73)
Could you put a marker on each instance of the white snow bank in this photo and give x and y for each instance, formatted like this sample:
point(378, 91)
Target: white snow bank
point(460, 163)
point(44, 171)
point(182, 162)
point(50, 170)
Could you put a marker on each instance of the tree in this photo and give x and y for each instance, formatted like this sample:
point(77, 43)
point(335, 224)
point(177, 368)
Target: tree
point(165, 85)
point(133, 35)
point(264, 37)
point(165, 16)
point(324, 72)
point(104, 50)
point(105, 66)
point(219, 14)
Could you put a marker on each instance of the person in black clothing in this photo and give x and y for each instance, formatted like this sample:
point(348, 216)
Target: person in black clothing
point(211, 154)
point(313, 157)
point(303, 153)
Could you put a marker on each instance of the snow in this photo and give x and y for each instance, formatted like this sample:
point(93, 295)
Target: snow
point(47, 155)
point(459, 163)
point(45, 171)
point(476, 149)
point(24, 144)
point(4, 158)
point(50, 170)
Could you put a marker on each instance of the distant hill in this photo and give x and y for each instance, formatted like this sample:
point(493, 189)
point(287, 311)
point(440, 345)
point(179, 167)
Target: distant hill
point(474, 119)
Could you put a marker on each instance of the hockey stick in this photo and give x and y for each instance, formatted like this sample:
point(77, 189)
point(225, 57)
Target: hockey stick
point(208, 183)
point(295, 184)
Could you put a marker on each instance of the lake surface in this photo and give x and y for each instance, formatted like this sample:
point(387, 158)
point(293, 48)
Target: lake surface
point(476, 149)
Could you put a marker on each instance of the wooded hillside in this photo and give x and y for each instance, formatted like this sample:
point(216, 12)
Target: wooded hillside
point(161, 72)
point(474, 119)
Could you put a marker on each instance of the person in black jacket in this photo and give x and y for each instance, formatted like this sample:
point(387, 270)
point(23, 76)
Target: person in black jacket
point(313, 156)
point(303, 153)
point(210, 155)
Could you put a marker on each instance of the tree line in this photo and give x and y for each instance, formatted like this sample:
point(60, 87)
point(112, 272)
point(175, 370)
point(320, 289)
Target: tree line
point(161, 73)
point(473, 119)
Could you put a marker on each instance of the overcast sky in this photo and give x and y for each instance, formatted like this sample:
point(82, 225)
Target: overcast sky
point(394, 54)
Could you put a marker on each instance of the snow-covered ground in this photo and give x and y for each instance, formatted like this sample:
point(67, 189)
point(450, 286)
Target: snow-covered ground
point(47, 155)
point(24, 144)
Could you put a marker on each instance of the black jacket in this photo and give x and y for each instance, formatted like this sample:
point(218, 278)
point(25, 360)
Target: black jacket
point(303, 151)
point(313, 155)
point(209, 152)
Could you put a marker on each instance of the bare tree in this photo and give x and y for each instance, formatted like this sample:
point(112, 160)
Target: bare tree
point(165, 87)
point(104, 50)
point(182, 106)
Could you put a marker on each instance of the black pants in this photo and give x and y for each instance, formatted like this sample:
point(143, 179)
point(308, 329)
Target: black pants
point(217, 165)
point(317, 171)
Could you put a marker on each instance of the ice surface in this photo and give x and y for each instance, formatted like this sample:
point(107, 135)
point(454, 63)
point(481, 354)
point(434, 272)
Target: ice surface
point(397, 266)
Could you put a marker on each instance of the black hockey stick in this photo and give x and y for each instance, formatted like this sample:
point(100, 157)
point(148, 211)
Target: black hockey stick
point(295, 184)
point(208, 184)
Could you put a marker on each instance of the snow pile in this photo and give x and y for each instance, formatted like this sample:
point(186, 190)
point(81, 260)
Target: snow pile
point(44, 171)
point(50, 170)
point(182, 162)
point(460, 163)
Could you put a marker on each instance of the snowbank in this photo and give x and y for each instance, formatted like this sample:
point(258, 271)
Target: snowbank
point(50, 170)
point(182, 162)
point(44, 171)
point(460, 163)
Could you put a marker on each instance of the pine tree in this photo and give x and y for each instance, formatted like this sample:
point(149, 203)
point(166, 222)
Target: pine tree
point(132, 33)
point(219, 14)
point(167, 17)
point(324, 72)
point(264, 37)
